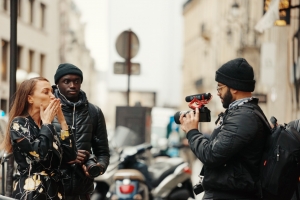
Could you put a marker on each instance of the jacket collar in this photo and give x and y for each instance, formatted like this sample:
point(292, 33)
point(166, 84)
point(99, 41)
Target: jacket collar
point(240, 102)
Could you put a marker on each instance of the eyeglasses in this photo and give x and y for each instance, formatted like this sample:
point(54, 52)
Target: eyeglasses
point(219, 88)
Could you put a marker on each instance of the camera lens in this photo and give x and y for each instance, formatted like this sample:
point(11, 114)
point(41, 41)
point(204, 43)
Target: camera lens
point(94, 171)
point(204, 115)
point(92, 167)
point(177, 116)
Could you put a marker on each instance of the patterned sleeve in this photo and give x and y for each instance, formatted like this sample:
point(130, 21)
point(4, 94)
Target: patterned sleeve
point(35, 143)
point(68, 144)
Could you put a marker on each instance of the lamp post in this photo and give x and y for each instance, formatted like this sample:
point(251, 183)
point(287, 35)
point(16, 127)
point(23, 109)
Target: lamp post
point(235, 9)
point(12, 81)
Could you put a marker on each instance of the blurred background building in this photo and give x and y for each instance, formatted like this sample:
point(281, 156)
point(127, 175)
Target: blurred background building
point(218, 31)
point(48, 33)
point(182, 44)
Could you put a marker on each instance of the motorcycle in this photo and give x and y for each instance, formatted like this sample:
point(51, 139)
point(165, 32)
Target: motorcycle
point(165, 178)
point(104, 181)
point(4, 157)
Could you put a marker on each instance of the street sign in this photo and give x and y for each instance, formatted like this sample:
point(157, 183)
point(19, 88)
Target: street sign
point(121, 68)
point(125, 40)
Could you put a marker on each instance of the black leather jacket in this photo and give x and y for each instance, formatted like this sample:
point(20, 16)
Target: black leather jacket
point(91, 135)
point(232, 155)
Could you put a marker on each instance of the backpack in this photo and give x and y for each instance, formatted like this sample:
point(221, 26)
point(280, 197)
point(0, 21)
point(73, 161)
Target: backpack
point(93, 112)
point(280, 164)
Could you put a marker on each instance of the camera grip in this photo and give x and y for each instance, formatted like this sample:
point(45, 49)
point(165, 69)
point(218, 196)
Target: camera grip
point(198, 188)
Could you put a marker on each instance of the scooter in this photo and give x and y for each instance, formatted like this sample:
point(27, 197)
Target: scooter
point(3, 159)
point(165, 178)
point(104, 181)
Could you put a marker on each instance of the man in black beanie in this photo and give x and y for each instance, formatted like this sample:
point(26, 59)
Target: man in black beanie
point(232, 155)
point(88, 124)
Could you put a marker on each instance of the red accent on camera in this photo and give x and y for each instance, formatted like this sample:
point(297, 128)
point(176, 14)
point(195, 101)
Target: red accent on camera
point(196, 103)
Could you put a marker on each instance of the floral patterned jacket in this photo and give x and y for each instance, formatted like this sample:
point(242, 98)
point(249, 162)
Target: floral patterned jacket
point(39, 156)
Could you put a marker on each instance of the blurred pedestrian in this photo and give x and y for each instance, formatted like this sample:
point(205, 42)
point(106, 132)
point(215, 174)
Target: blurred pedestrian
point(232, 154)
point(88, 124)
point(37, 148)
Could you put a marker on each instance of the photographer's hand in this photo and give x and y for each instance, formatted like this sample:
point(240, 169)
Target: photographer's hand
point(189, 121)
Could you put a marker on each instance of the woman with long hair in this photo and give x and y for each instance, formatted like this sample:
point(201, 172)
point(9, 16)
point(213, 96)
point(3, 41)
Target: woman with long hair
point(38, 149)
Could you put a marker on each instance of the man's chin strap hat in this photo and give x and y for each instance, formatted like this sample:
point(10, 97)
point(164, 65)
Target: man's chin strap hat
point(237, 74)
point(67, 68)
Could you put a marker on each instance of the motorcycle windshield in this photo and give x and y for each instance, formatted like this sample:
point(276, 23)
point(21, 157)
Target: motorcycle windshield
point(124, 136)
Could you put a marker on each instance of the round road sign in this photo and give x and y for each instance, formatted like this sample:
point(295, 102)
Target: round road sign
point(125, 40)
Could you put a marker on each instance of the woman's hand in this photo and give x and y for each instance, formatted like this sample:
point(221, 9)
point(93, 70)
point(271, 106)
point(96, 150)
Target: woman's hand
point(61, 118)
point(49, 113)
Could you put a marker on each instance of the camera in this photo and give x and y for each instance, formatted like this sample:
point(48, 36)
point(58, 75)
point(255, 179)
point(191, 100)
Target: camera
point(196, 101)
point(91, 166)
point(198, 188)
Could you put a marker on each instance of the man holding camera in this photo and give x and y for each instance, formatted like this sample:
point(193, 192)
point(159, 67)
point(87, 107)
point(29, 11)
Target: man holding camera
point(88, 124)
point(232, 155)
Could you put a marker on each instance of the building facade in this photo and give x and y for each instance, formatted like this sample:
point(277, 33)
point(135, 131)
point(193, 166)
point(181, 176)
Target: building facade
point(48, 33)
point(218, 31)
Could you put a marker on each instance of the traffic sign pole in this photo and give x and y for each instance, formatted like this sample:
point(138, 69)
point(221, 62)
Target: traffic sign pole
point(129, 66)
point(127, 46)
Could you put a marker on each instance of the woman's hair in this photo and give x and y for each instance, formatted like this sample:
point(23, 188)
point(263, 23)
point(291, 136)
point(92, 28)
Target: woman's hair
point(19, 107)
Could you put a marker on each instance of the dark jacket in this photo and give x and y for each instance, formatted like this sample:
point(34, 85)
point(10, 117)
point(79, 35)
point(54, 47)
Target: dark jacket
point(232, 155)
point(91, 135)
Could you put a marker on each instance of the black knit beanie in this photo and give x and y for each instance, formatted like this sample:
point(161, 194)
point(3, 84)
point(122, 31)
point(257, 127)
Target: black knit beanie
point(237, 74)
point(67, 68)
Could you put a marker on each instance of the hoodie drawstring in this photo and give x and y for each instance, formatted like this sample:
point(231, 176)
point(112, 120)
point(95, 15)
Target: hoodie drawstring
point(73, 117)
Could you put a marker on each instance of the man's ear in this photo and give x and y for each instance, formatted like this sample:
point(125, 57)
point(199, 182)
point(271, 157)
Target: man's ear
point(233, 91)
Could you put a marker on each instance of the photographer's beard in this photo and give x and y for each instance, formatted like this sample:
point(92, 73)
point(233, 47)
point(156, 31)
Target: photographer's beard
point(227, 99)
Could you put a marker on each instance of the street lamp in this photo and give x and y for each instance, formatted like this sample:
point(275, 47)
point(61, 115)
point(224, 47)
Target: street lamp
point(32, 75)
point(23, 75)
point(235, 9)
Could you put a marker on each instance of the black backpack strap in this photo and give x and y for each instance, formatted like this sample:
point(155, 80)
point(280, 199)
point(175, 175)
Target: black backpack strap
point(259, 113)
point(93, 115)
point(257, 110)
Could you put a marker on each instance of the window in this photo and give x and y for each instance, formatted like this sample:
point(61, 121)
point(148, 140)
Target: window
point(4, 105)
point(4, 60)
point(5, 5)
point(43, 9)
point(42, 63)
point(30, 64)
point(31, 5)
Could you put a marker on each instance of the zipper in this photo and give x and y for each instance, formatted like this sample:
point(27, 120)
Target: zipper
point(272, 163)
point(277, 153)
